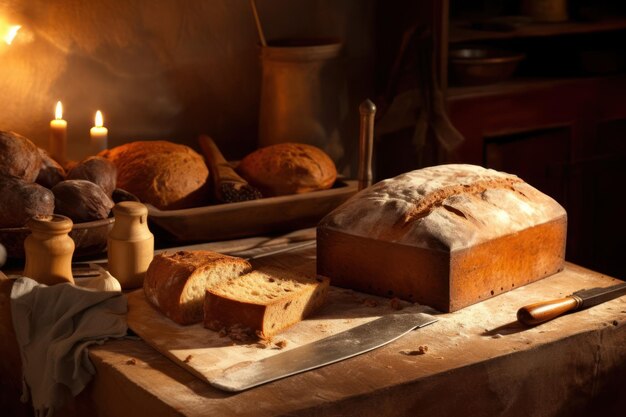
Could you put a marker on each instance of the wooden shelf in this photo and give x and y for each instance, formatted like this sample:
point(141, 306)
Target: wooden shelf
point(520, 84)
point(462, 32)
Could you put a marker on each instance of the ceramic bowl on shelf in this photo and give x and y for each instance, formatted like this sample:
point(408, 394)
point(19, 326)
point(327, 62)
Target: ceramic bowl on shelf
point(90, 238)
point(482, 65)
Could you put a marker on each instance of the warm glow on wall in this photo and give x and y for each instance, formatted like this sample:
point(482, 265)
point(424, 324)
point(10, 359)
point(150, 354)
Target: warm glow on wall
point(11, 33)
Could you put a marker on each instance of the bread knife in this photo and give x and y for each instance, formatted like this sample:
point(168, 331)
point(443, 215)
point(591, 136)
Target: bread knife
point(263, 251)
point(344, 345)
point(543, 311)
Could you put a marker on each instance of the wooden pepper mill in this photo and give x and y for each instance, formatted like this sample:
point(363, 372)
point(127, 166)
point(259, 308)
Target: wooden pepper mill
point(130, 245)
point(49, 250)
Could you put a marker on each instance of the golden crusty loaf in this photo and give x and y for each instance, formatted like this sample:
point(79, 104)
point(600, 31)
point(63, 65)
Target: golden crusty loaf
point(288, 168)
point(19, 157)
point(175, 283)
point(267, 300)
point(167, 175)
point(447, 236)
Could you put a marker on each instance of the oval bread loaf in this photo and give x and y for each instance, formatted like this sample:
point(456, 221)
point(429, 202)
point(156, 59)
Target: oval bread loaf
point(288, 168)
point(50, 172)
point(22, 200)
point(98, 170)
point(167, 175)
point(81, 201)
point(19, 157)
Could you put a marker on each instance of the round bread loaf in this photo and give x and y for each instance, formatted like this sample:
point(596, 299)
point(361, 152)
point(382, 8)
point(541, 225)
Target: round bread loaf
point(22, 200)
point(19, 157)
point(288, 168)
point(81, 201)
point(98, 170)
point(167, 175)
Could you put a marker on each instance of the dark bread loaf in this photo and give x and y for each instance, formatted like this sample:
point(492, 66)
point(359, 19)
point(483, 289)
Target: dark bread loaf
point(22, 200)
point(288, 168)
point(267, 301)
point(50, 173)
point(175, 283)
point(167, 175)
point(98, 170)
point(19, 157)
point(81, 201)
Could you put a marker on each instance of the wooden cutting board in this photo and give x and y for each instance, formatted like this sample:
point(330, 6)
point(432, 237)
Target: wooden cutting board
point(205, 354)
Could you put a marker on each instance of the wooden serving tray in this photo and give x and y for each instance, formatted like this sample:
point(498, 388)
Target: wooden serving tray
point(248, 218)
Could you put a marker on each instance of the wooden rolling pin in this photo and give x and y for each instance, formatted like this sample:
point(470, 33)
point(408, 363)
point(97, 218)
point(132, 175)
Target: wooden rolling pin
point(228, 186)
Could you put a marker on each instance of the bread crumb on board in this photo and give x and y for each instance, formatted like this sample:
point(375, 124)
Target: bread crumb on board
point(421, 350)
point(369, 302)
point(131, 361)
point(240, 334)
point(272, 344)
point(281, 344)
point(395, 304)
point(188, 359)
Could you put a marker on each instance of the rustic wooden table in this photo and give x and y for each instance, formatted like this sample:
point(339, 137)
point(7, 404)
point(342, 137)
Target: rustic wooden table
point(479, 361)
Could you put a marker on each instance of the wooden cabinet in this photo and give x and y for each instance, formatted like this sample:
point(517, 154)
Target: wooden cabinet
point(559, 123)
point(562, 138)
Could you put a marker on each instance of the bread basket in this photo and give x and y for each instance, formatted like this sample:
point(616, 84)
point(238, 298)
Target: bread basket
point(266, 215)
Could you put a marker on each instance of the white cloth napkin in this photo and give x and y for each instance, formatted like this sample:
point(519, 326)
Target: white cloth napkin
point(54, 325)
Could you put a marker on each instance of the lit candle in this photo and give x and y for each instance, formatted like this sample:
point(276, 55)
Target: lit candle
point(98, 134)
point(58, 135)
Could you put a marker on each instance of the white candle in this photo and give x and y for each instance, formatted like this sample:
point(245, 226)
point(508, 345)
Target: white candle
point(57, 143)
point(99, 134)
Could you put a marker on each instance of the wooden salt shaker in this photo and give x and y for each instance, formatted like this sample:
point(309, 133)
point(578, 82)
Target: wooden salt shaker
point(49, 250)
point(130, 245)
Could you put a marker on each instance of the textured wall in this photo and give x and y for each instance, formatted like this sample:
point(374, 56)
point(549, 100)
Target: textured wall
point(166, 69)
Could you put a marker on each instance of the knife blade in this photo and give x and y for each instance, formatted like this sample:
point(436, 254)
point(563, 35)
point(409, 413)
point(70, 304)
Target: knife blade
point(344, 345)
point(543, 311)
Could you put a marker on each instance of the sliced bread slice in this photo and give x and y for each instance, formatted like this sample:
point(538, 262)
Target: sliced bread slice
point(175, 283)
point(266, 300)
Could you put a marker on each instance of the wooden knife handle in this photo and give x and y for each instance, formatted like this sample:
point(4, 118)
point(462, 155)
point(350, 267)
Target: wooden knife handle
point(543, 311)
point(367, 109)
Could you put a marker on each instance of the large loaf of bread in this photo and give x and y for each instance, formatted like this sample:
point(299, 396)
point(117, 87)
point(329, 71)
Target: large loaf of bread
point(447, 236)
point(168, 175)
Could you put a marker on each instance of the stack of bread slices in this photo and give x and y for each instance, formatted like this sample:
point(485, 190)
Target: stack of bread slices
point(224, 292)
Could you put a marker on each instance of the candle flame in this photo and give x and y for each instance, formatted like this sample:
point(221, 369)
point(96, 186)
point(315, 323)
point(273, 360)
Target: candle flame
point(11, 33)
point(99, 120)
point(58, 111)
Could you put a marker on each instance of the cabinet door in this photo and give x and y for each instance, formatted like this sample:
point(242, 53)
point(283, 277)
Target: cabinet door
point(603, 172)
point(540, 157)
point(535, 133)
